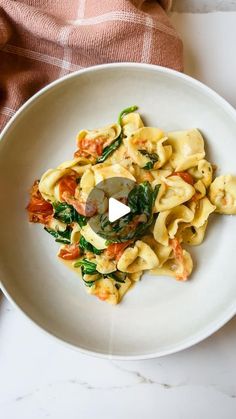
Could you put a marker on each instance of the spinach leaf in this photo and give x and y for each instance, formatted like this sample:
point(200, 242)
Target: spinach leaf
point(60, 236)
point(116, 144)
point(104, 221)
point(140, 199)
point(118, 225)
point(89, 268)
point(118, 276)
point(143, 201)
point(149, 165)
point(145, 198)
point(80, 219)
point(109, 149)
point(67, 214)
point(155, 193)
point(86, 246)
point(133, 199)
point(64, 212)
point(87, 283)
point(126, 111)
point(153, 158)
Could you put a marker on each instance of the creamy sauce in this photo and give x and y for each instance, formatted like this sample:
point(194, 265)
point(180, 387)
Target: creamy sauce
point(69, 264)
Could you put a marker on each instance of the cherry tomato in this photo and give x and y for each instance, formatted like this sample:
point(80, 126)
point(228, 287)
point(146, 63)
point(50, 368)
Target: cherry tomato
point(69, 252)
point(178, 253)
point(67, 184)
point(115, 250)
point(87, 209)
point(90, 146)
point(39, 210)
point(40, 206)
point(185, 176)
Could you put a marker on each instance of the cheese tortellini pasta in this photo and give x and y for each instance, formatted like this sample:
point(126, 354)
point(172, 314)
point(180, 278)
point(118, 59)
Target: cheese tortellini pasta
point(173, 191)
point(187, 148)
point(137, 258)
point(223, 194)
point(164, 179)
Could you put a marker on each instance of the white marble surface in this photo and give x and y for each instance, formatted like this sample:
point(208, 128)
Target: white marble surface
point(40, 378)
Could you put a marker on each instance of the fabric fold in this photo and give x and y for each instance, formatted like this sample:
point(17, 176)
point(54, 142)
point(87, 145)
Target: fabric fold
point(41, 41)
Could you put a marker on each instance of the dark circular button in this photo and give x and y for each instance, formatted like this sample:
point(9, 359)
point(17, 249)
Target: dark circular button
point(119, 209)
point(105, 206)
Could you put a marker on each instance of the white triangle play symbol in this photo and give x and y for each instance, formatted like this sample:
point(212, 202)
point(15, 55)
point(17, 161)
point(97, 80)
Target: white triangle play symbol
point(116, 210)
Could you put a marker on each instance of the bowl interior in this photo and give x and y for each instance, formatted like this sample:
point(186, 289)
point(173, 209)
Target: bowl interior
point(159, 315)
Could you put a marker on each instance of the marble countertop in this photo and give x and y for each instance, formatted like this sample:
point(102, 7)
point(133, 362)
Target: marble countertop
point(40, 378)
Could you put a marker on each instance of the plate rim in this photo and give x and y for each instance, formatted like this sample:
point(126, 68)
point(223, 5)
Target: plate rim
point(213, 326)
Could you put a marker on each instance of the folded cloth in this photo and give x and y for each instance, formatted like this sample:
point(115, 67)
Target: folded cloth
point(42, 40)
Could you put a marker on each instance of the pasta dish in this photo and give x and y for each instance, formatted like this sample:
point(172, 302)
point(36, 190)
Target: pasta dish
point(168, 185)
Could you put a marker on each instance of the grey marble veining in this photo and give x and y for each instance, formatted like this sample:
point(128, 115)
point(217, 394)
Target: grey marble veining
point(203, 6)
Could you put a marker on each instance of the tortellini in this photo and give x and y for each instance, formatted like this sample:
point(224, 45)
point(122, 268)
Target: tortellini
point(200, 190)
point(130, 123)
point(87, 181)
point(194, 235)
point(187, 148)
point(167, 183)
point(120, 155)
point(173, 191)
point(162, 252)
point(102, 172)
point(105, 265)
point(137, 258)
point(223, 194)
point(203, 171)
point(147, 145)
point(107, 134)
point(179, 269)
point(89, 234)
point(202, 209)
point(79, 165)
point(49, 186)
point(167, 223)
point(75, 233)
point(105, 290)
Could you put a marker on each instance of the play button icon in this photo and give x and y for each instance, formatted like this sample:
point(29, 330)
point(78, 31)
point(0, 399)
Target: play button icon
point(116, 210)
point(112, 215)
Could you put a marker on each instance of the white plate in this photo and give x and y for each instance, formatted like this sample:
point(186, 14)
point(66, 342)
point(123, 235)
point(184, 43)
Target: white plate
point(159, 315)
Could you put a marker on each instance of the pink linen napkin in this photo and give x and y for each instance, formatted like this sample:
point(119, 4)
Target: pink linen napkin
point(42, 40)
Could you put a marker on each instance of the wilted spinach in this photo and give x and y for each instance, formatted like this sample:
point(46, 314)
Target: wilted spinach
point(89, 267)
point(117, 276)
point(115, 144)
point(86, 246)
point(67, 214)
point(140, 201)
point(109, 149)
point(126, 111)
point(60, 236)
point(153, 159)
